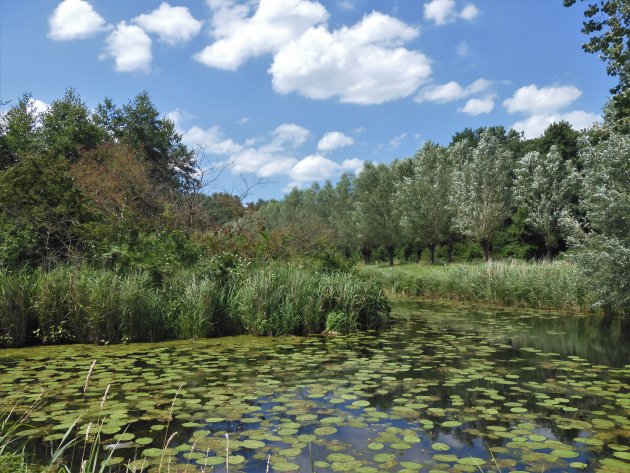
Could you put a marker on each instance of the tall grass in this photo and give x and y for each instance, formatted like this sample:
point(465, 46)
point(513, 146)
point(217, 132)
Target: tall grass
point(542, 285)
point(283, 299)
point(87, 305)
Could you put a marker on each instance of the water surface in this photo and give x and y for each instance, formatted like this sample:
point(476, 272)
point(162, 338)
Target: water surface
point(448, 387)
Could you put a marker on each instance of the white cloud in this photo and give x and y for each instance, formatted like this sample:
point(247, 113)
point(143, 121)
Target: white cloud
point(451, 91)
point(334, 140)
point(535, 125)
point(442, 12)
point(242, 120)
point(469, 12)
point(345, 5)
point(462, 49)
point(211, 141)
point(130, 47)
point(478, 106)
point(397, 140)
point(240, 37)
point(362, 64)
point(275, 154)
point(289, 134)
point(532, 100)
point(75, 19)
point(313, 168)
point(38, 106)
point(172, 24)
point(354, 164)
point(318, 168)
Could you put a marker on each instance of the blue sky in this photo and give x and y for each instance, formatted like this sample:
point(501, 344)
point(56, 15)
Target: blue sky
point(296, 91)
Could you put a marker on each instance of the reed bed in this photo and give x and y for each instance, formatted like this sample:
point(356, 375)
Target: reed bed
point(541, 285)
point(87, 305)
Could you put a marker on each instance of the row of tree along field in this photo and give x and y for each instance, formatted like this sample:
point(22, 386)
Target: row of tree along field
point(566, 192)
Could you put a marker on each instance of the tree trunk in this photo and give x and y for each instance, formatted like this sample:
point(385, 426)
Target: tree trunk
point(431, 246)
point(390, 253)
point(485, 246)
point(549, 253)
point(449, 251)
point(366, 252)
point(419, 253)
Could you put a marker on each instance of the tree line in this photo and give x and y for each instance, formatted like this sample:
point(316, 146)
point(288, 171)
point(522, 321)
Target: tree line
point(114, 185)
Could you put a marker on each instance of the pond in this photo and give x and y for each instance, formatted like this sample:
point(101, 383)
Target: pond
point(448, 387)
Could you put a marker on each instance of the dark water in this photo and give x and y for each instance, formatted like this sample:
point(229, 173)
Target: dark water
point(448, 387)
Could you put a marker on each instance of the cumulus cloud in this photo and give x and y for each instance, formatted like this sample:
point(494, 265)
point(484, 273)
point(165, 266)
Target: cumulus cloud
point(533, 100)
point(318, 168)
point(451, 91)
point(478, 106)
point(442, 12)
point(535, 125)
point(172, 24)
point(211, 140)
point(362, 64)
point(469, 12)
point(130, 46)
point(275, 155)
point(75, 19)
point(334, 140)
point(240, 37)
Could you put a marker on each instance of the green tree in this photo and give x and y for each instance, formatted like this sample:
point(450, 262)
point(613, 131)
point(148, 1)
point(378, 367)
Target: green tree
point(481, 188)
point(19, 131)
point(68, 129)
point(140, 126)
point(41, 211)
point(545, 187)
point(607, 23)
point(377, 214)
point(605, 255)
point(425, 196)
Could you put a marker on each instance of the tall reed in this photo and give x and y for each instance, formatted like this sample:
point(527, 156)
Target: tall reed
point(88, 305)
point(543, 285)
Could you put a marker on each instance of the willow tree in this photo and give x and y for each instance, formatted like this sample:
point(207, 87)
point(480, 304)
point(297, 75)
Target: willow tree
point(424, 197)
point(481, 188)
point(605, 199)
point(545, 187)
point(376, 211)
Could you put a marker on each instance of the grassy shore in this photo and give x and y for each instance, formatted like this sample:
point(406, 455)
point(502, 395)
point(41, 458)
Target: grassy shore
point(542, 285)
point(87, 305)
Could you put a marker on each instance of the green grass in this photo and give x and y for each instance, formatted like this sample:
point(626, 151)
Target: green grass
point(87, 305)
point(541, 285)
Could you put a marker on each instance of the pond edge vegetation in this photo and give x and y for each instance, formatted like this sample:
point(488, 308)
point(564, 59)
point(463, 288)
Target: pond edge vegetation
point(88, 305)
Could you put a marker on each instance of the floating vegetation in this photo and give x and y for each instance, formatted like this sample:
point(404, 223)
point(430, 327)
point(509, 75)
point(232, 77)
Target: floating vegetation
point(446, 388)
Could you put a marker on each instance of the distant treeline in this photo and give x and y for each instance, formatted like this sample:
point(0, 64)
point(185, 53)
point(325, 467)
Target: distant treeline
point(489, 191)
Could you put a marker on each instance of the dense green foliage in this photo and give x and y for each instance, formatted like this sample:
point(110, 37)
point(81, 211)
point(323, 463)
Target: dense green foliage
point(86, 305)
point(607, 23)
